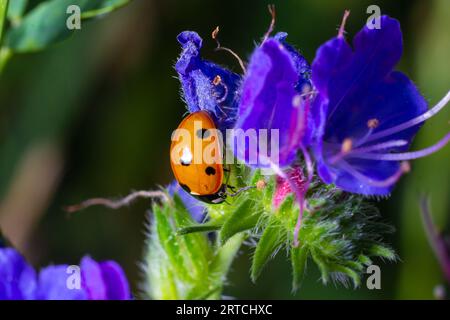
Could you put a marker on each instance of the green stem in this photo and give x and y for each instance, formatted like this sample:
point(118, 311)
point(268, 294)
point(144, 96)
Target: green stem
point(3, 13)
point(5, 53)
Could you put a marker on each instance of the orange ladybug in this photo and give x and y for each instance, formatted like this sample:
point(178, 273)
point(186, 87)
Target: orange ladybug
point(196, 157)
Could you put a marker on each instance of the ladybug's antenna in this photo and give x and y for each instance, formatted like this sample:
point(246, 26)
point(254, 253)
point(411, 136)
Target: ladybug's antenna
point(261, 184)
point(116, 204)
point(272, 12)
point(240, 191)
point(219, 47)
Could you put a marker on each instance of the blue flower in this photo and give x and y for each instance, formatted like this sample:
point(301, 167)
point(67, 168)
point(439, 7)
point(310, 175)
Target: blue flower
point(205, 85)
point(275, 96)
point(99, 280)
point(365, 114)
point(17, 278)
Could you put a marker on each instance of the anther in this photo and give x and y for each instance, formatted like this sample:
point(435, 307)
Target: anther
point(405, 167)
point(373, 123)
point(261, 184)
point(297, 101)
point(347, 145)
point(215, 33)
point(217, 80)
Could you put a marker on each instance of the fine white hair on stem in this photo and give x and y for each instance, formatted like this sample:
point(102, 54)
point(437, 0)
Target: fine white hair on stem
point(116, 204)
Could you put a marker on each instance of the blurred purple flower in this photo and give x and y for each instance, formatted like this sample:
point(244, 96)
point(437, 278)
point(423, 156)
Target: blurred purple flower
point(275, 96)
point(438, 241)
point(205, 85)
point(195, 207)
point(366, 114)
point(99, 281)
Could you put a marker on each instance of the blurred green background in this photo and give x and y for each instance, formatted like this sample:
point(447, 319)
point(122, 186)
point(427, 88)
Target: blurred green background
point(92, 116)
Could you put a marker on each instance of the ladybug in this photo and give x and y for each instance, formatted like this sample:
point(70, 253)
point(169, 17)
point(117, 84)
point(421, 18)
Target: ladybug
point(197, 137)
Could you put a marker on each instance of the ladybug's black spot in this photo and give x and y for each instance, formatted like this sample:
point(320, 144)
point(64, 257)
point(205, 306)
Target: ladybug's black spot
point(203, 133)
point(210, 171)
point(185, 187)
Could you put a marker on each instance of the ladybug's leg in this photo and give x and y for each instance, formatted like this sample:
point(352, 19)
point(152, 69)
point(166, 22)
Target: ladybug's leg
point(232, 188)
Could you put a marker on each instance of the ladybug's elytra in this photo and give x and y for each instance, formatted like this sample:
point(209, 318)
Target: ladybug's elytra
point(200, 177)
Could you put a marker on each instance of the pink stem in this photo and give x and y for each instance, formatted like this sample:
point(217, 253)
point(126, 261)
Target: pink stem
point(436, 241)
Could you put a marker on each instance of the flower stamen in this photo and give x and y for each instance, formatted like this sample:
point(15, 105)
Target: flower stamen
point(405, 155)
point(404, 168)
point(217, 81)
point(214, 35)
point(342, 27)
point(346, 147)
point(272, 12)
point(410, 123)
point(380, 146)
point(373, 123)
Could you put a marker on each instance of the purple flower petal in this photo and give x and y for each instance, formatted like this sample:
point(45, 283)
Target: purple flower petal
point(92, 279)
point(358, 96)
point(271, 100)
point(104, 281)
point(17, 278)
point(53, 285)
point(205, 85)
point(117, 287)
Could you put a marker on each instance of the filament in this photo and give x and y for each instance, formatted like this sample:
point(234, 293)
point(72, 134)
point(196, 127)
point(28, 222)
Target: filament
point(404, 167)
point(405, 155)
point(423, 117)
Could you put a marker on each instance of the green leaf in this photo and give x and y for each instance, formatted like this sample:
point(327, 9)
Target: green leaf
point(102, 7)
point(160, 279)
point(16, 10)
point(299, 258)
point(225, 255)
point(383, 252)
point(195, 228)
point(349, 272)
point(271, 240)
point(323, 267)
point(245, 217)
point(46, 24)
point(169, 242)
point(194, 246)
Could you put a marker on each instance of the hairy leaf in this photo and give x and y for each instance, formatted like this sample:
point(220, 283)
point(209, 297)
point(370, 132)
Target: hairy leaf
point(244, 217)
point(272, 239)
